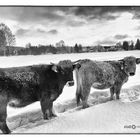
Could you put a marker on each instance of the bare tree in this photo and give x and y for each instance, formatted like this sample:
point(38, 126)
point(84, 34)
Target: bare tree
point(10, 38)
point(2, 39)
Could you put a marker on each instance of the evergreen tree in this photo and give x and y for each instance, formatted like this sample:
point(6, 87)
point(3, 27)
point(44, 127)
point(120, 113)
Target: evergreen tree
point(126, 45)
point(76, 48)
point(137, 45)
point(80, 48)
point(131, 47)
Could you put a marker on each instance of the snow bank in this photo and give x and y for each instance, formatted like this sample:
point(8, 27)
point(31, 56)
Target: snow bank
point(110, 117)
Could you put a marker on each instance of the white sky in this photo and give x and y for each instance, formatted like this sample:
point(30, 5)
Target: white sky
point(86, 26)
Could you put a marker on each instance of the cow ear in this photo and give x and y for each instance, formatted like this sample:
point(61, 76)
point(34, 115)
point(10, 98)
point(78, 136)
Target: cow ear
point(121, 62)
point(55, 68)
point(76, 66)
point(137, 60)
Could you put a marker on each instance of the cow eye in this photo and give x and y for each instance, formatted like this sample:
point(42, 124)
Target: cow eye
point(62, 72)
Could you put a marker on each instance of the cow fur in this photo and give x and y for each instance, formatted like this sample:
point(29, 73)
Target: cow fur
point(103, 75)
point(21, 86)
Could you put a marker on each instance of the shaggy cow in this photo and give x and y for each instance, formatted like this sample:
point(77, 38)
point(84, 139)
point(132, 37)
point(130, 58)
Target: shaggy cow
point(22, 86)
point(102, 75)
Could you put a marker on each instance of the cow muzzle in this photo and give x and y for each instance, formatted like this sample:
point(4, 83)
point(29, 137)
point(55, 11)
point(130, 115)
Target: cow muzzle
point(131, 73)
point(70, 83)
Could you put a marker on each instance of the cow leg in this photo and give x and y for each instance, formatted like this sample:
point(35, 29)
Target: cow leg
point(78, 96)
point(3, 115)
point(117, 91)
point(112, 93)
point(118, 94)
point(3, 126)
point(46, 106)
point(84, 97)
point(53, 113)
point(53, 97)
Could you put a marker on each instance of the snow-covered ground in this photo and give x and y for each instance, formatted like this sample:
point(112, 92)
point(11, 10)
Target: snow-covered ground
point(103, 116)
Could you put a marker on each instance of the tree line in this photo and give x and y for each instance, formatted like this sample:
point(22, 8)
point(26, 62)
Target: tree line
point(131, 46)
point(46, 49)
point(77, 48)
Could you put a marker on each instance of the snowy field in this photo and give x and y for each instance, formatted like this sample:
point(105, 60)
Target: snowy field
point(103, 116)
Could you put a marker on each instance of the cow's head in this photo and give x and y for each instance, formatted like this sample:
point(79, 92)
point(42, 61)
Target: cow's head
point(128, 64)
point(64, 69)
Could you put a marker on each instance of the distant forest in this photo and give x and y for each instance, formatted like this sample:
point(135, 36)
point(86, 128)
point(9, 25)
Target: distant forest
point(61, 48)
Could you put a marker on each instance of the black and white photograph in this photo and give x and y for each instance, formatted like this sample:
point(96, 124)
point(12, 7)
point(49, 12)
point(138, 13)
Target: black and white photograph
point(69, 69)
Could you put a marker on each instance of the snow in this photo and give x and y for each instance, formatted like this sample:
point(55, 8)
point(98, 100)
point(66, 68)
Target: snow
point(103, 116)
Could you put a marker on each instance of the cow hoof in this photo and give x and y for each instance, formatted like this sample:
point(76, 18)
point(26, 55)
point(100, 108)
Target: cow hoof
point(49, 117)
point(117, 98)
point(45, 117)
point(7, 132)
point(111, 99)
point(85, 106)
point(78, 104)
point(54, 115)
point(5, 129)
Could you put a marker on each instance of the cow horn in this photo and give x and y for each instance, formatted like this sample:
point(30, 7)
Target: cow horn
point(74, 62)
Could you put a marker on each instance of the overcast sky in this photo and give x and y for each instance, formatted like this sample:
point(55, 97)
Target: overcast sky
point(83, 25)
